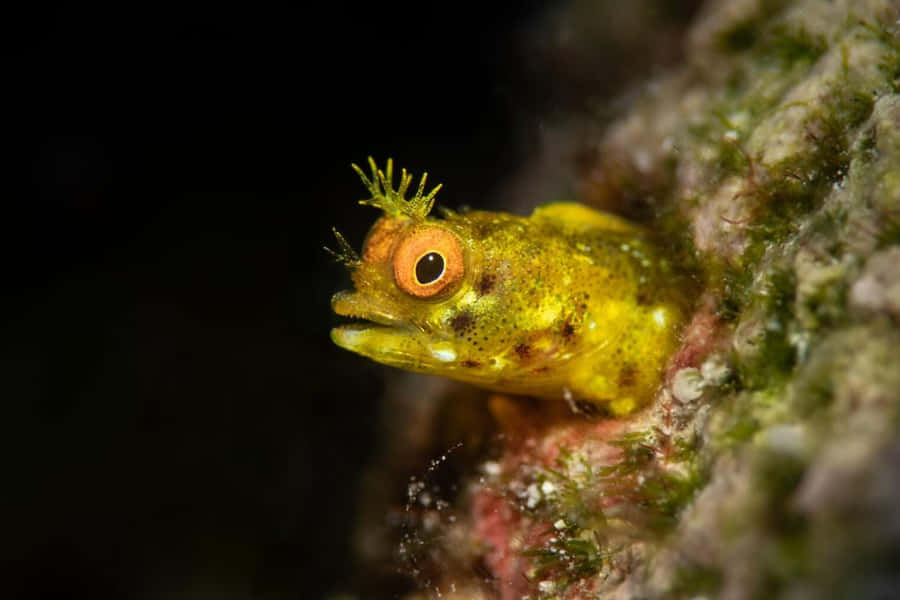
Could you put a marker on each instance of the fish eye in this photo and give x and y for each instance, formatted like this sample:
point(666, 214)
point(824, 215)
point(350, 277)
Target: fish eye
point(429, 268)
point(428, 261)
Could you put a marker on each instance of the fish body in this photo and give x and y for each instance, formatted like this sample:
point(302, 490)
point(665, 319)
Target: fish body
point(566, 303)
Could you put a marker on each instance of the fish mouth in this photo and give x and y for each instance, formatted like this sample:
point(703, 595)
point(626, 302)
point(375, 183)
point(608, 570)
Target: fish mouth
point(353, 306)
point(386, 338)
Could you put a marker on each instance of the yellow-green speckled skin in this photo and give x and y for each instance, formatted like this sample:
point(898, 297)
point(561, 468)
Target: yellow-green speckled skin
point(567, 303)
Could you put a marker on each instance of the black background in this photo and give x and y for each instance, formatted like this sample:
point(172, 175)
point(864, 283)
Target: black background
point(176, 422)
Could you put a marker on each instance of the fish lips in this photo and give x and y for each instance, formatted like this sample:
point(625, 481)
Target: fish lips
point(386, 338)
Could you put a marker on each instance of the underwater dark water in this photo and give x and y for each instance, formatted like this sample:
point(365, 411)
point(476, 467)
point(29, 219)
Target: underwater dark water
point(176, 422)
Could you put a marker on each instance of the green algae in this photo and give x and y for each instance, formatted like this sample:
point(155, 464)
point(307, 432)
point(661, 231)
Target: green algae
point(695, 581)
point(655, 478)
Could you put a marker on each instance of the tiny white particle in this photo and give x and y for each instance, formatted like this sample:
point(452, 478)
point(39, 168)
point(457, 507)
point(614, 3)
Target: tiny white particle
point(592, 325)
point(548, 488)
point(659, 317)
point(491, 468)
point(559, 525)
point(443, 354)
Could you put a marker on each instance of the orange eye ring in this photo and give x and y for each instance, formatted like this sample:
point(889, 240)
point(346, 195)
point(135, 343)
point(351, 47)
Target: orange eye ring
point(427, 262)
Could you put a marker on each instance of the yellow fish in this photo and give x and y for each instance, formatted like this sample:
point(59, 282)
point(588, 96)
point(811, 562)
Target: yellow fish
point(568, 303)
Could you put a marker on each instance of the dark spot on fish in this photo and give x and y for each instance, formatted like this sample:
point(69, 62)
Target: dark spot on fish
point(539, 370)
point(568, 331)
point(523, 351)
point(627, 376)
point(471, 363)
point(642, 298)
point(486, 283)
point(462, 323)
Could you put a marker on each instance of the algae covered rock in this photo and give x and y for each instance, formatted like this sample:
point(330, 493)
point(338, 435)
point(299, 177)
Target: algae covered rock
point(768, 465)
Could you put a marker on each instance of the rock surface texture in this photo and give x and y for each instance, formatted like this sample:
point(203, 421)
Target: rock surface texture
point(768, 465)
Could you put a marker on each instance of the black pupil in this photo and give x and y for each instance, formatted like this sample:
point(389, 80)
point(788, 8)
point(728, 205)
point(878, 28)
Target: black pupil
point(429, 268)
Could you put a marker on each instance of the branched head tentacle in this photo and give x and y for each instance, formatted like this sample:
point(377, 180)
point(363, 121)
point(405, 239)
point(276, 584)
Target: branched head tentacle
point(345, 254)
point(393, 202)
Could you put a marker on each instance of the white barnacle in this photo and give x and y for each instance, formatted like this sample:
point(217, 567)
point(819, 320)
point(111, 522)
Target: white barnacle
point(687, 385)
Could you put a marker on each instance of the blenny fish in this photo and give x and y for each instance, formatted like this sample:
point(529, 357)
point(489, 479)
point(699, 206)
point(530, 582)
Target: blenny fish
point(567, 303)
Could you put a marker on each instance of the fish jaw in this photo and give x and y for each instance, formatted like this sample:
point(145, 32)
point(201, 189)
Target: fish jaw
point(401, 348)
point(387, 339)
